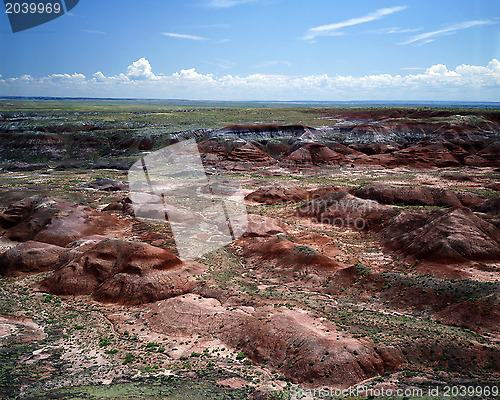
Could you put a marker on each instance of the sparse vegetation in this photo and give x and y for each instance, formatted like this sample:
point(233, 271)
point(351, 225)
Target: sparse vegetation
point(381, 302)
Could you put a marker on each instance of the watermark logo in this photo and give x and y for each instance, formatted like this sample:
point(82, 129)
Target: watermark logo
point(30, 13)
point(205, 212)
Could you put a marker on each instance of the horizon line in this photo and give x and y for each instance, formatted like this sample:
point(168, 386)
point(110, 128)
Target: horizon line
point(461, 102)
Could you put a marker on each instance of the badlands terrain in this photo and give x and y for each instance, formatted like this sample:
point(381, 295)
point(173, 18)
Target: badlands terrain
point(371, 256)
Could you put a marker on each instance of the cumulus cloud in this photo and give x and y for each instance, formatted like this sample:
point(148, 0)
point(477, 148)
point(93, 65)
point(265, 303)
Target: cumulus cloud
point(99, 76)
point(66, 77)
point(140, 70)
point(333, 29)
point(437, 82)
point(429, 36)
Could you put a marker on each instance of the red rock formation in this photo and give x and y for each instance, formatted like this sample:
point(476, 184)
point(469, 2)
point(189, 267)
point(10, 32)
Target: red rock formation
point(345, 210)
point(491, 153)
point(32, 257)
point(377, 148)
point(443, 236)
point(416, 195)
point(289, 254)
point(124, 206)
point(215, 147)
point(321, 191)
point(306, 350)
point(55, 221)
point(490, 206)
point(278, 194)
point(124, 272)
point(315, 153)
point(345, 150)
point(481, 315)
point(258, 225)
point(249, 153)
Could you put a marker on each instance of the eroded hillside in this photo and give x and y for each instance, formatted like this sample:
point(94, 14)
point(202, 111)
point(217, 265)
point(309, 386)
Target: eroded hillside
point(371, 255)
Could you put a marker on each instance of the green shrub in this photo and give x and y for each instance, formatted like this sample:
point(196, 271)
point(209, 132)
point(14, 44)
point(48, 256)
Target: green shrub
point(129, 357)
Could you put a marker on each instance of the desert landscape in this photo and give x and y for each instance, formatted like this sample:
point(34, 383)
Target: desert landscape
point(370, 259)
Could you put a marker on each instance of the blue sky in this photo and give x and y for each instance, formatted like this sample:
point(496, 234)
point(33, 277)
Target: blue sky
point(260, 50)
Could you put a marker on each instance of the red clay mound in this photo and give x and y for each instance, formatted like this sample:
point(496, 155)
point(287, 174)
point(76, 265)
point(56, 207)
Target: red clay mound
point(490, 206)
point(421, 155)
point(455, 235)
point(249, 153)
point(278, 194)
point(301, 348)
point(494, 186)
point(123, 272)
point(258, 225)
point(345, 150)
point(491, 153)
point(482, 315)
point(214, 150)
point(416, 196)
point(123, 206)
point(377, 148)
point(345, 210)
point(321, 191)
point(55, 221)
point(315, 153)
point(428, 155)
point(290, 254)
point(32, 257)
point(476, 161)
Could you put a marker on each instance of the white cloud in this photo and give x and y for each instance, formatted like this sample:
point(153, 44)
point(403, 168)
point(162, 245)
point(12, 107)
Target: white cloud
point(65, 78)
point(140, 70)
point(99, 76)
point(386, 31)
point(183, 36)
point(94, 32)
point(221, 63)
point(438, 82)
point(429, 36)
point(333, 29)
point(192, 75)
